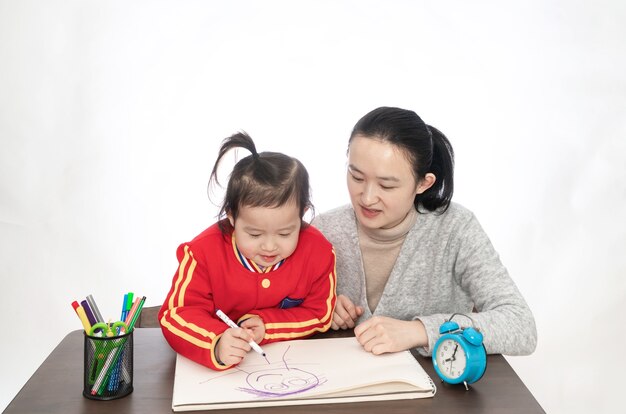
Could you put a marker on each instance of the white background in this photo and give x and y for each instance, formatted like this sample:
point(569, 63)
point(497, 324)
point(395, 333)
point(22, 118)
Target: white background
point(111, 113)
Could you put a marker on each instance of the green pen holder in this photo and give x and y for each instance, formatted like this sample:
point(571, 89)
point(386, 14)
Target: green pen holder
point(108, 367)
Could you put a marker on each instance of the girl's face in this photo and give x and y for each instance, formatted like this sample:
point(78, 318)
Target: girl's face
point(381, 183)
point(267, 235)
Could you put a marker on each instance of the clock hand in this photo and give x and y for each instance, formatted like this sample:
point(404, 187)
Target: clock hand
point(454, 353)
point(452, 358)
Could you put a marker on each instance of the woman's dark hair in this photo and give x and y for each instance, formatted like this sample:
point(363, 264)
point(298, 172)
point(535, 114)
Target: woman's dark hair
point(426, 148)
point(266, 179)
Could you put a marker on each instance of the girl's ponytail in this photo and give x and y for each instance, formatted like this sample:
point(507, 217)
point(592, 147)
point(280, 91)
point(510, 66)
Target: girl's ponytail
point(239, 140)
point(266, 179)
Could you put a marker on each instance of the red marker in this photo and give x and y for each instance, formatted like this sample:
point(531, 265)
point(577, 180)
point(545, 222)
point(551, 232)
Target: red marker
point(82, 316)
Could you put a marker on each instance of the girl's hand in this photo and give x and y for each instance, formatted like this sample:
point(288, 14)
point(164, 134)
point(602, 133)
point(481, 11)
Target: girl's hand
point(255, 327)
point(345, 314)
point(233, 346)
point(381, 334)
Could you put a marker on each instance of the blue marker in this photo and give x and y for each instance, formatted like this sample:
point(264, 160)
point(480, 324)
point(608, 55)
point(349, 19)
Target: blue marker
point(123, 317)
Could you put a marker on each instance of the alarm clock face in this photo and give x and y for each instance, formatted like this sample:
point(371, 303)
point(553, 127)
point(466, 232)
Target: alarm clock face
point(451, 359)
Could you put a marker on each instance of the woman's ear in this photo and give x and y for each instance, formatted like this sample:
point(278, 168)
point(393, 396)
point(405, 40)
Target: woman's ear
point(231, 219)
point(426, 182)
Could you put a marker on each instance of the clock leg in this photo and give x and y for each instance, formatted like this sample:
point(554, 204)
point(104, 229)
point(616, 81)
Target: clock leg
point(466, 388)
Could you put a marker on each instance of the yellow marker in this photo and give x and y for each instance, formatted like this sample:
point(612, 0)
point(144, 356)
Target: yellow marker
point(80, 311)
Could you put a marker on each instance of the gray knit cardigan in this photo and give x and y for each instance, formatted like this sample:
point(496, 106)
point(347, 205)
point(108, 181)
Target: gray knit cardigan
point(446, 264)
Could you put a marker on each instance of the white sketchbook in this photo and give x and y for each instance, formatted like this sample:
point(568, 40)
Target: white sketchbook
point(309, 371)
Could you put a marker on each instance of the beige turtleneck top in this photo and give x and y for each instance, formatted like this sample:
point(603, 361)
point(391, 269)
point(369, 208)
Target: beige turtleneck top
point(380, 249)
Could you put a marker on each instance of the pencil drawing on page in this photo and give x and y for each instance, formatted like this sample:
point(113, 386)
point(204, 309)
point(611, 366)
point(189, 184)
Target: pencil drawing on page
point(280, 379)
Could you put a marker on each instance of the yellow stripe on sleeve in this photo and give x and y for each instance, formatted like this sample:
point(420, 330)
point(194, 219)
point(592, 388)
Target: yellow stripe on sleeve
point(189, 276)
point(204, 344)
point(291, 335)
point(181, 273)
point(184, 335)
point(176, 317)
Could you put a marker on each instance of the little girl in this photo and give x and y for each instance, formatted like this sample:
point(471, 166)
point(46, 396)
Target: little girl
point(261, 265)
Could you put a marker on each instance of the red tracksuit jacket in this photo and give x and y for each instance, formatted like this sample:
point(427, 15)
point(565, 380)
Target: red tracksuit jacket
point(294, 301)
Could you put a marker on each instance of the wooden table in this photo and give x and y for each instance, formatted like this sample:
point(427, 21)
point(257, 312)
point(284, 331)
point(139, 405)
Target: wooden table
point(56, 387)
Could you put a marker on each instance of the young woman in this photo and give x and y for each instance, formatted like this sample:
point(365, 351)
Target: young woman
point(260, 265)
point(408, 257)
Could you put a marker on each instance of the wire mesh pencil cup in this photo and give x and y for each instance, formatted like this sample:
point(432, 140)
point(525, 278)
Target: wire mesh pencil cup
point(108, 366)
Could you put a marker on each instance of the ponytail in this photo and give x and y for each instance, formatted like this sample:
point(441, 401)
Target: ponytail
point(426, 148)
point(268, 179)
point(442, 166)
point(239, 140)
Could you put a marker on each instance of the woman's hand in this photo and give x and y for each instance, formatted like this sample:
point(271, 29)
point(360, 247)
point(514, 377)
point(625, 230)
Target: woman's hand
point(381, 334)
point(256, 327)
point(233, 346)
point(345, 314)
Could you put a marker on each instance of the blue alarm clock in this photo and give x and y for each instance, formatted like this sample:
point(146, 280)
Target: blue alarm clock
point(459, 355)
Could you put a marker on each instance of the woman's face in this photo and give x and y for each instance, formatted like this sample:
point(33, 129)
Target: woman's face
point(381, 183)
